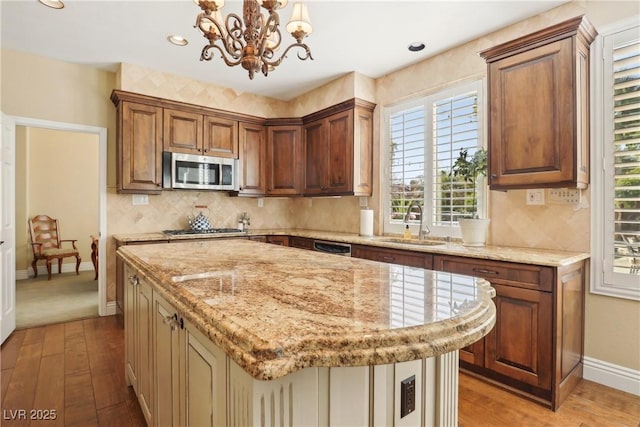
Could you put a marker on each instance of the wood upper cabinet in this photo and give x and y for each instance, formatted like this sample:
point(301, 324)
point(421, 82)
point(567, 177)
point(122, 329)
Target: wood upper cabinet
point(253, 160)
point(284, 160)
point(536, 345)
point(220, 137)
point(182, 131)
point(139, 148)
point(338, 153)
point(195, 133)
point(539, 108)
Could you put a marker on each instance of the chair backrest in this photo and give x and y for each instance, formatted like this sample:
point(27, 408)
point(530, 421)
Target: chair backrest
point(44, 230)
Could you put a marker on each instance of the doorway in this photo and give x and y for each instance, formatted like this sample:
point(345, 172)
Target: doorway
point(61, 172)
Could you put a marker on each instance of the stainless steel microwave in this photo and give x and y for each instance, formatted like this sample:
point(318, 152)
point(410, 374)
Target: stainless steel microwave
point(194, 172)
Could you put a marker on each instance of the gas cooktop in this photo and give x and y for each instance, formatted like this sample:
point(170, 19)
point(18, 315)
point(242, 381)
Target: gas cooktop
point(207, 231)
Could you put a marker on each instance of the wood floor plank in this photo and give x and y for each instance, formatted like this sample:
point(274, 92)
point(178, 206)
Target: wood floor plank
point(53, 339)
point(79, 404)
point(114, 416)
point(49, 398)
point(10, 349)
point(5, 377)
point(22, 385)
point(75, 348)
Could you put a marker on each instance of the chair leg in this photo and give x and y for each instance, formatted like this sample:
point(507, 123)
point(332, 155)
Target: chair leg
point(35, 268)
point(59, 265)
point(77, 265)
point(49, 269)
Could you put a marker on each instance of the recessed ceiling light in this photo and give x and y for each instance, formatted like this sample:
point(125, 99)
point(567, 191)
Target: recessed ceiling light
point(55, 4)
point(178, 40)
point(416, 46)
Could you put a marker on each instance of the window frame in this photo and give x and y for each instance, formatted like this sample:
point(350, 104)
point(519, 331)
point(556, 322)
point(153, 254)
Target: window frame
point(479, 85)
point(603, 280)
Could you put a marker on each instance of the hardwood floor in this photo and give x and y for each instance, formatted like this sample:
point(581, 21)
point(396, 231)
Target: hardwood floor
point(73, 372)
point(77, 370)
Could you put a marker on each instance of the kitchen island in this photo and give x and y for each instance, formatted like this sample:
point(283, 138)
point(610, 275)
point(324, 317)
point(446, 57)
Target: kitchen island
point(231, 333)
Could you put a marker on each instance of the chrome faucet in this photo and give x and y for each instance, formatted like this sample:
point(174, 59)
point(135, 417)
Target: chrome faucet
point(421, 233)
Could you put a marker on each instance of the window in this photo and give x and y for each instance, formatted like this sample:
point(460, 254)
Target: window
point(616, 183)
point(424, 137)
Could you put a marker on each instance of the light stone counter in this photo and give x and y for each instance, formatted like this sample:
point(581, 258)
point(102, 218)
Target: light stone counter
point(276, 310)
point(543, 257)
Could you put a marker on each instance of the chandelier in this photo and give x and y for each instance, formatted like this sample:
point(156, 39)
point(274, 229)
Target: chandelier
point(253, 45)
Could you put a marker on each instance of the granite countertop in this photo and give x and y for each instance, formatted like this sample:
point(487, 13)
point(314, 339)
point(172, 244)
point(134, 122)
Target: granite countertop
point(543, 257)
point(275, 310)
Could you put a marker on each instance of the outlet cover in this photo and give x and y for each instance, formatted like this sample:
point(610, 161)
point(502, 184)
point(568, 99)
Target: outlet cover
point(139, 199)
point(535, 196)
point(565, 196)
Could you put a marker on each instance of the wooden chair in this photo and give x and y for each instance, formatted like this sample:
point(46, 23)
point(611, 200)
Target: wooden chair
point(46, 244)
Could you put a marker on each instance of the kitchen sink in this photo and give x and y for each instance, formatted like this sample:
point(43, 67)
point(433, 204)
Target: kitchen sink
point(413, 241)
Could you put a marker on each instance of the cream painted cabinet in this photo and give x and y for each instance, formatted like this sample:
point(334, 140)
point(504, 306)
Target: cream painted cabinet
point(138, 329)
point(189, 371)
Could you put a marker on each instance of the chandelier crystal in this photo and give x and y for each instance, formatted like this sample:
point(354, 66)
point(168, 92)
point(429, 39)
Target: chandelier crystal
point(253, 40)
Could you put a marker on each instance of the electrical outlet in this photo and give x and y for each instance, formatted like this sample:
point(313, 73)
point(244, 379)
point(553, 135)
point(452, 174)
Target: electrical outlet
point(407, 396)
point(260, 202)
point(139, 199)
point(565, 196)
point(535, 196)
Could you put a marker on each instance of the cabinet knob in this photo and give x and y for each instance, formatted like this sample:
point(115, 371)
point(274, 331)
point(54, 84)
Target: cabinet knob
point(133, 280)
point(493, 175)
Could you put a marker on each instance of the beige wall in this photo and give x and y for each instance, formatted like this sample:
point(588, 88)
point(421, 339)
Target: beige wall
point(58, 177)
point(612, 324)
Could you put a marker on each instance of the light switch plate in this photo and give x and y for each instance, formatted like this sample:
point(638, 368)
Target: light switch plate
point(565, 196)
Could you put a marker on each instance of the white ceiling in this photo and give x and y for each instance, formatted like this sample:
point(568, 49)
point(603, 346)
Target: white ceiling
point(369, 37)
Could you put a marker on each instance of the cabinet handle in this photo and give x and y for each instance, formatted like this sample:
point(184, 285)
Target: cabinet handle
point(133, 280)
point(493, 175)
point(483, 271)
point(388, 258)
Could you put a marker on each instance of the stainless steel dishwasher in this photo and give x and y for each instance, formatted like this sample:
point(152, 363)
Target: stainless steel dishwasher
point(335, 248)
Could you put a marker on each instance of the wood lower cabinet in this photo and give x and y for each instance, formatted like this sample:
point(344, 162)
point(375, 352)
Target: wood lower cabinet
point(139, 151)
point(189, 372)
point(138, 341)
point(536, 346)
point(284, 160)
point(253, 160)
point(278, 240)
point(338, 150)
point(539, 108)
point(301, 242)
point(393, 256)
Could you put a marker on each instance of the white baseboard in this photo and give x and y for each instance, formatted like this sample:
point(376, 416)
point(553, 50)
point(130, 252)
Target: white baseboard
point(111, 308)
point(42, 269)
point(614, 376)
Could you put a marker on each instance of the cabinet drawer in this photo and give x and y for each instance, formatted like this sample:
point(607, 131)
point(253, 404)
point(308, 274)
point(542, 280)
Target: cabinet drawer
point(301, 242)
point(393, 256)
point(497, 272)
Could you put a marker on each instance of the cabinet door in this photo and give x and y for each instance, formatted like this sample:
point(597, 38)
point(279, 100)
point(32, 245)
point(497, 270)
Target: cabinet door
point(315, 153)
point(145, 346)
point(220, 137)
point(182, 132)
point(301, 242)
point(278, 240)
point(284, 161)
point(140, 148)
point(253, 158)
point(533, 118)
point(340, 153)
point(166, 363)
point(130, 327)
point(203, 386)
point(473, 353)
point(519, 345)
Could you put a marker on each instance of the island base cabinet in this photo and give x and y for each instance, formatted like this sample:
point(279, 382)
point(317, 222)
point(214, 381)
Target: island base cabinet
point(348, 396)
point(189, 370)
point(138, 350)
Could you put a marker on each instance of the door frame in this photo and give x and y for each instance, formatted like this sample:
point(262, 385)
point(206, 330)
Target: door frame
point(103, 309)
